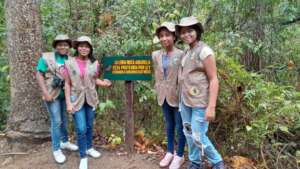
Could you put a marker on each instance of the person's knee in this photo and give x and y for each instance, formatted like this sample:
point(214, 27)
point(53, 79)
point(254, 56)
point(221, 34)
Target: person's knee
point(187, 129)
point(56, 123)
point(197, 136)
point(199, 139)
point(81, 130)
point(179, 128)
point(170, 126)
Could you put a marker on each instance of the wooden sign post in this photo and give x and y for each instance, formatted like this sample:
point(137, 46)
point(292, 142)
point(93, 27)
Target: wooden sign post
point(129, 123)
point(128, 69)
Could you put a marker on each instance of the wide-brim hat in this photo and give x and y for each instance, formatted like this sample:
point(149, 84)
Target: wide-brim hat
point(189, 21)
point(167, 25)
point(82, 39)
point(61, 38)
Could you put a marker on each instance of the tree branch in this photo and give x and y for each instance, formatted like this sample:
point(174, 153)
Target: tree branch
point(297, 19)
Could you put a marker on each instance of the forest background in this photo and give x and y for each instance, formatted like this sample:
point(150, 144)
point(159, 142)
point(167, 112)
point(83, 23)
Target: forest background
point(257, 46)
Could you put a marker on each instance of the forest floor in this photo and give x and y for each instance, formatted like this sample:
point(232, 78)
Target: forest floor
point(41, 158)
point(20, 155)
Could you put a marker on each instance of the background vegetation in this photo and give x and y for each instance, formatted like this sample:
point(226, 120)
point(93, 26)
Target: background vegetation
point(257, 45)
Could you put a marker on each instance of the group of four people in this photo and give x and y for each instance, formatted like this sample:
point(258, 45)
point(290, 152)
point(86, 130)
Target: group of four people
point(186, 84)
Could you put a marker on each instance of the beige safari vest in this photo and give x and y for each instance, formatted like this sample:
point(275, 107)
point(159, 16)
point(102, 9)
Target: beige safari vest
point(194, 84)
point(53, 69)
point(167, 88)
point(83, 89)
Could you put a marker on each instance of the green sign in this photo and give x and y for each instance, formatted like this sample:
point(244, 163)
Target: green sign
point(127, 68)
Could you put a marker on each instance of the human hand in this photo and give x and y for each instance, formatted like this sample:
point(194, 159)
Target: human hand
point(210, 114)
point(70, 108)
point(47, 97)
point(107, 82)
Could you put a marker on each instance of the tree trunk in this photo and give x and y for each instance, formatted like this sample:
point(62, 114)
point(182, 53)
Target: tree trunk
point(28, 119)
point(252, 60)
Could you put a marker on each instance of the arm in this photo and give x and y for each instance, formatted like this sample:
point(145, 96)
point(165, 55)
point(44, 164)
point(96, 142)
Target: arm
point(68, 92)
point(154, 67)
point(211, 72)
point(41, 82)
point(103, 83)
point(99, 82)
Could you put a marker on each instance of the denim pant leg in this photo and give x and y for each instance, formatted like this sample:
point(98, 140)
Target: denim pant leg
point(170, 126)
point(81, 130)
point(90, 115)
point(54, 110)
point(179, 131)
point(64, 120)
point(199, 130)
point(186, 115)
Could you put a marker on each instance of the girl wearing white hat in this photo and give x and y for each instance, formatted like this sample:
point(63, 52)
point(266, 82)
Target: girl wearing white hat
point(51, 82)
point(166, 65)
point(198, 93)
point(81, 95)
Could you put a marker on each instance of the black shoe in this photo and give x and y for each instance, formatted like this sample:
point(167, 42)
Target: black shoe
point(195, 166)
point(219, 165)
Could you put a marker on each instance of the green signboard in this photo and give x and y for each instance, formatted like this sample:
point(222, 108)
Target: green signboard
point(127, 68)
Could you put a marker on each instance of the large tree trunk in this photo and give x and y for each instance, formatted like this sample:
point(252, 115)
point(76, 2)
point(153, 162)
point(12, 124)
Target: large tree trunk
point(28, 119)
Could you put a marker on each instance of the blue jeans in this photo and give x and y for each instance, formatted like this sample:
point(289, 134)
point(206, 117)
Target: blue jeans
point(83, 120)
point(59, 122)
point(195, 129)
point(173, 119)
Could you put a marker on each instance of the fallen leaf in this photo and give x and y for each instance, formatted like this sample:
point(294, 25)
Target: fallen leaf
point(239, 162)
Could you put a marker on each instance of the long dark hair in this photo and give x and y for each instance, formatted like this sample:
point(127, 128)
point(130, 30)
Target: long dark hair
point(198, 31)
point(90, 56)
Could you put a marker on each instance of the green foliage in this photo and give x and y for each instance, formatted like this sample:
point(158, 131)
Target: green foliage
point(114, 140)
point(103, 106)
point(4, 71)
point(148, 113)
point(4, 90)
point(252, 110)
point(252, 107)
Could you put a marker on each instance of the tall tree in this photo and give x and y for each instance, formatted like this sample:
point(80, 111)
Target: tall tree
point(28, 118)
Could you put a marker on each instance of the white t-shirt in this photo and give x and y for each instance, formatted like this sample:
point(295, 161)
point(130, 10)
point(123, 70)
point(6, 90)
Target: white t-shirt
point(206, 51)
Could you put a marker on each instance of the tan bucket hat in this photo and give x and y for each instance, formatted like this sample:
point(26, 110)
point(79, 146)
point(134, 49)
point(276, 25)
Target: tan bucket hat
point(189, 21)
point(82, 39)
point(168, 25)
point(61, 38)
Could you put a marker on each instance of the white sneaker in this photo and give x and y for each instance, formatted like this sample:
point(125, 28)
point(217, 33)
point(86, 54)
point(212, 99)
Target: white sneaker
point(83, 163)
point(68, 146)
point(177, 162)
point(59, 157)
point(166, 160)
point(93, 153)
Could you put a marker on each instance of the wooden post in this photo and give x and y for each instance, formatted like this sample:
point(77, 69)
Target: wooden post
point(129, 123)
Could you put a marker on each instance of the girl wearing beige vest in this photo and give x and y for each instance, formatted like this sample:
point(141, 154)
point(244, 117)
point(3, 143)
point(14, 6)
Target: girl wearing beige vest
point(166, 63)
point(198, 94)
point(81, 95)
point(50, 80)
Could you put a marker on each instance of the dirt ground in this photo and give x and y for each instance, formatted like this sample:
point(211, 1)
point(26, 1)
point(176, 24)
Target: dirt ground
point(41, 158)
